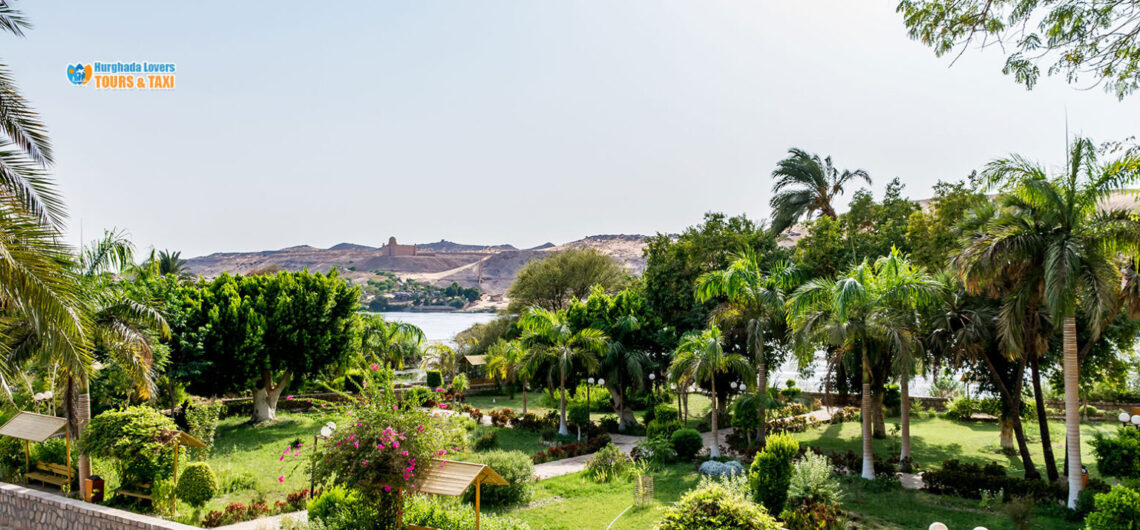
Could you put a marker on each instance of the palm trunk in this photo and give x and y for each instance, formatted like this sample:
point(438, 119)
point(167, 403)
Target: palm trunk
point(1006, 435)
point(868, 449)
point(1042, 420)
point(1072, 419)
point(562, 401)
point(904, 420)
point(78, 416)
point(879, 428)
point(524, 397)
point(714, 451)
point(762, 385)
point(1013, 401)
point(625, 414)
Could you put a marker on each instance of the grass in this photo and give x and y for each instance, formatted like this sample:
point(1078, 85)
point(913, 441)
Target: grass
point(514, 439)
point(936, 439)
point(698, 404)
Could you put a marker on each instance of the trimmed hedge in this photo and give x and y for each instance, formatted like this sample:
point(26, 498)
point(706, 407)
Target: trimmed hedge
point(197, 485)
point(970, 480)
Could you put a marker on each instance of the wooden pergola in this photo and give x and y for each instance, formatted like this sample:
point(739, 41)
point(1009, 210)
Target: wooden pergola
point(451, 478)
point(32, 427)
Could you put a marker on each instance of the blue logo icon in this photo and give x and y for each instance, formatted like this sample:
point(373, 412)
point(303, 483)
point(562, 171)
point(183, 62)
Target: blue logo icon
point(79, 74)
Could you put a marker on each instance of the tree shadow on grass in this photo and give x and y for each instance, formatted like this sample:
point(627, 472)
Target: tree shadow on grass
point(244, 437)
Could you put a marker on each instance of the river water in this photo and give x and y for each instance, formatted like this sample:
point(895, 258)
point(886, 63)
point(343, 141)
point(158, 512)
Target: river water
point(442, 327)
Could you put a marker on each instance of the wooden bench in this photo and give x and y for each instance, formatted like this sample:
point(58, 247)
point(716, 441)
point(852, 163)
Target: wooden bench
point(141, 494)
point(49, 473)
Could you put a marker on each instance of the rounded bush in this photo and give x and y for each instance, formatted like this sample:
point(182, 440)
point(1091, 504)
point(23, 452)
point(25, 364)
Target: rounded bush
point(197, 485)
point(714, 507)
point(1119, 508)
point(771, 471)
point(663, 429)
point(713, 468)
point(515, 467)
point(687, 443)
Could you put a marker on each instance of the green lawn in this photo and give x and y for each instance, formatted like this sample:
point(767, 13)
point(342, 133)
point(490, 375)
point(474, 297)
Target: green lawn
point(936, 439)
point(514, 439)
point(698, 404)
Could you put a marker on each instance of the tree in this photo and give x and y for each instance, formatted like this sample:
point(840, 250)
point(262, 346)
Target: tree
point(441, 357)
point(264, 331)
point(1066, 241)
point(806, 185)
point(551, 339)
point(701, 357)
point(1079, 38)
point(391, 342)
point(172, 263)
point(759, 300)
point(633, 331)
point(507, 361)
point(869, 303)
point(551, 282)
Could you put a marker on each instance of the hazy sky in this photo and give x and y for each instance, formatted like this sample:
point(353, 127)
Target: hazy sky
point(504, 121)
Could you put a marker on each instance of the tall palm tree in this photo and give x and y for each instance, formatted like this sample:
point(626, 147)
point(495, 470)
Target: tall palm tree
point(171, 262)
point(759, 300)
point(391, 343)
point(507, 361)
point(551, 339)
point(806, 184)
point(870, 303)
point(701, 357)
point(1069, 244)
point(441, 357)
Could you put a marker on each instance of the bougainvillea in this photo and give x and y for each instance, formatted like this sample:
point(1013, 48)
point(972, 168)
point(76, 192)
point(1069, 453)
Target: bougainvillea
point(385, 447)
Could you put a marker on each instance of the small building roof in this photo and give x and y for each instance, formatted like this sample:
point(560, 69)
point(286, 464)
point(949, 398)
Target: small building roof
point(475, 360)
point(451, 478)
point(189, 441)
point(32, 427)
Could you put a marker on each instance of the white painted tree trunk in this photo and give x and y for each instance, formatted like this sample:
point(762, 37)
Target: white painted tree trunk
point(562, 402)
point(1072, 412)
point(868, 449)
point(762, 386)
point(904, 419)
point(265, 397)
point(714, 451)
point(625, 414)
point(84, 417)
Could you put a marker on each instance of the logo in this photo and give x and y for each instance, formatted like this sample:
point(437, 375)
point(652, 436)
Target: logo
point(79, 74)
point(130, 75)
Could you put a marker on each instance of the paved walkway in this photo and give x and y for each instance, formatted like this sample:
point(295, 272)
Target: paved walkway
point(575, 464)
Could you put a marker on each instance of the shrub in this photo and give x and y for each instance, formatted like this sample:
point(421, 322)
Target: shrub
point(663, 429)
point(665, 412)
point(419, 396)
point(549, 434)
point(1119, 508)
point(812, 481)
point(713, 507)
point(608, 463)
point(772, 471)
point(337, 509)
point(136, 439)
point(578, 414)
point(687, 443)
point(434, 380)
point(970, 480)
point(53, 450)
point(515, 467)
point(202, 423)
point(460, 384)
point(609, 423)
point(1118, 455)
point(502, 417)
point(655, 451)
point(962, 408)
point(487, 441)
point(197, 484)
point(811, 516)
point(439, 512)
point(476, 415)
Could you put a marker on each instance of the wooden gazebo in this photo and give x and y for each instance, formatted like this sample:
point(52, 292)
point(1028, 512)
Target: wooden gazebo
point(31, 427)
point(467, 365)
point(451, 478)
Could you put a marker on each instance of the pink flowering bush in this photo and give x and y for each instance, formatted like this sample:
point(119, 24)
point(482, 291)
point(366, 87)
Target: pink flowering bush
point(385, 448)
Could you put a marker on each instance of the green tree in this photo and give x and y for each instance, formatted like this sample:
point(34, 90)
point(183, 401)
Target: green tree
point(806, 185)
point(441, 357)
point(1076, 38)
point(870, 303)
point(507, 361)
point(701, 357)
point(1064, 242)
point(391, 342)
point(759, 299)
point(551, 339)
point(551, 282)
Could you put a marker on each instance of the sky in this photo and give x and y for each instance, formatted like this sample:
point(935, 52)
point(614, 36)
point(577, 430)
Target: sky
point(490, 122)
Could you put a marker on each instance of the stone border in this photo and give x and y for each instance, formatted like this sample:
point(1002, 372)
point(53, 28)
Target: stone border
point(28, 509)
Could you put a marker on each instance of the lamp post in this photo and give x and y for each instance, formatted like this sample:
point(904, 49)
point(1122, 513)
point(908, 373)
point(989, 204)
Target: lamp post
point(590, 383)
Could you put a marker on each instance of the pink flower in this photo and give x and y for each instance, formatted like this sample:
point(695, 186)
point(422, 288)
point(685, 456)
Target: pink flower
point(289, 398)
point(363, 462)
point(405, 453)
point(281, 459)
point(442, 452)
point(420, 428)
point(375, 367)
point(387, 488)
point(395, 444)
point(439, 390)
point(356, 445)
point(281, 478)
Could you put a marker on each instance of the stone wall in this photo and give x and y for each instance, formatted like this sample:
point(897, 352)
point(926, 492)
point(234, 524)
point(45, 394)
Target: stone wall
point(28, 509)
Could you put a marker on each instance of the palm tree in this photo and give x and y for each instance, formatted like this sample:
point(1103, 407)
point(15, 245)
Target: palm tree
point(508, 362)
point(868, 304)
point(1065, 243)
point(701, 357)
point(391, 342)
point(624, 366)
point(757, 298)
point(440, 357)
point(551, 339)
point(805, 185)
point(172, 263)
